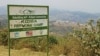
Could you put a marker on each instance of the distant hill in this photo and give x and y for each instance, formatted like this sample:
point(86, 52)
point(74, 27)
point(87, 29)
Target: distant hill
point(63, 27)
point(3, 21)
point(60, 21)
point(74, 16)
point(3, 10)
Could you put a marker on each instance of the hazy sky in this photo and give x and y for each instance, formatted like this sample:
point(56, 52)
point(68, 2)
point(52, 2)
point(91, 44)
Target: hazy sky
point(92, 6)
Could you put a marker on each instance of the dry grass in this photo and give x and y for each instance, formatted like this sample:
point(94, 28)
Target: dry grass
point(22, 52)
point(3, 51)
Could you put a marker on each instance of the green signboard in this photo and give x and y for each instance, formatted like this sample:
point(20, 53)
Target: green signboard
point(27, 21)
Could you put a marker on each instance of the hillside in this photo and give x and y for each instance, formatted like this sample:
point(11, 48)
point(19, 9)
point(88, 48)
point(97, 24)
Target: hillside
point(3, 10)
point(64, 27)
point(74, 16)
point(3, 21)
point(61, 22)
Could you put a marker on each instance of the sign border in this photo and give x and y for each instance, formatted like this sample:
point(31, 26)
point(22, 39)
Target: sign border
point(33, 36)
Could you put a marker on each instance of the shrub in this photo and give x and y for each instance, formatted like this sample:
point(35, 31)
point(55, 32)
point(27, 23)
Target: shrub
point(4, 37)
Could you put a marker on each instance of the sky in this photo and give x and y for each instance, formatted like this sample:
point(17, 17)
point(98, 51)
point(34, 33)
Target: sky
point(91, 6)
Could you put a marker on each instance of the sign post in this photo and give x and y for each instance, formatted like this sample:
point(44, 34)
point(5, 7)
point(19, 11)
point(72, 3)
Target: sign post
point(28, 21)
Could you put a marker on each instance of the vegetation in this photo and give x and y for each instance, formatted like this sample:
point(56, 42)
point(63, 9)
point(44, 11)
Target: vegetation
point(84, 41)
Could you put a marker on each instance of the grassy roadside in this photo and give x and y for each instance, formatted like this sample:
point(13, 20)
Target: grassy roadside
point(22, 52)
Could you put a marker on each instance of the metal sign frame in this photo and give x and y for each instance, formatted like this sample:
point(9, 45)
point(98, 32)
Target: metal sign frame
point(36, 6)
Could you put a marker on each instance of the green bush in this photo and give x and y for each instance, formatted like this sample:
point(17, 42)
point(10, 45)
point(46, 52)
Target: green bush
point(4, 37)
point(35, 44)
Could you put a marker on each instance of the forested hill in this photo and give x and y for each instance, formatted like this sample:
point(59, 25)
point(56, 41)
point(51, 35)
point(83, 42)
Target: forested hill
point(71, 16)
point(74, 16)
